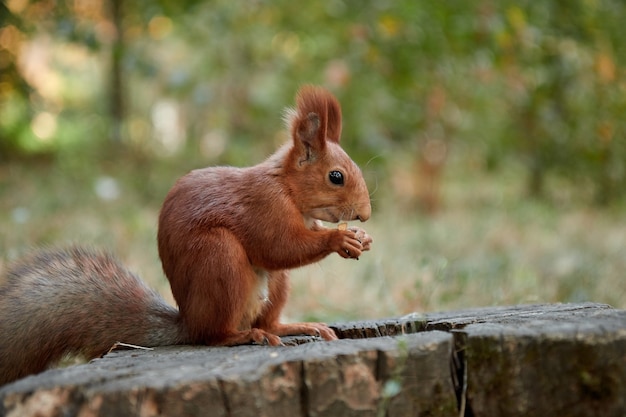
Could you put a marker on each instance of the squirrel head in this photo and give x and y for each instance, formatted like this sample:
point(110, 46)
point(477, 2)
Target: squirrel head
point(326, 183)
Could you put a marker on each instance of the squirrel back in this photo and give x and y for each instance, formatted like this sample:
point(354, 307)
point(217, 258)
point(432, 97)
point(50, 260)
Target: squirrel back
point(73, 301)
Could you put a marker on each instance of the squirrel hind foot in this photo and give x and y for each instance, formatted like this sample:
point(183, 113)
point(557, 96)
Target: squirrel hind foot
point(271, 336)
point(246, 337)
point(310, 329)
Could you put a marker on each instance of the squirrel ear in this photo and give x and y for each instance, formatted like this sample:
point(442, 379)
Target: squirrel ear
point(308, 137)
point(316, 119)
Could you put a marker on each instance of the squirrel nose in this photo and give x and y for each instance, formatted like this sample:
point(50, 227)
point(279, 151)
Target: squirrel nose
point(364, 213)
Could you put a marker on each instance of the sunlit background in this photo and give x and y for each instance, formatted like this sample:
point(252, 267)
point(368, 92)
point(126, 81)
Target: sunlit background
point(491, 134)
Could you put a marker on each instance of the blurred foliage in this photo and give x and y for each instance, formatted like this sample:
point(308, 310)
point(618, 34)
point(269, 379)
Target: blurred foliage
point(456, 104)
point(500, 82)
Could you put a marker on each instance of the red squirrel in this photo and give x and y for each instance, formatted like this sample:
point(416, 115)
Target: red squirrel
point(226, 237)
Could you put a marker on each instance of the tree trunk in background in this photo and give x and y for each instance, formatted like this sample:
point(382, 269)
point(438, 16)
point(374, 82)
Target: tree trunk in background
point(536, 175)
point(116, 91)
point(604, 187)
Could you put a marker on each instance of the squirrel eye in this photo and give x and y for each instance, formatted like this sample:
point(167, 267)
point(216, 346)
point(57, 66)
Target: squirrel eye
point(335, 177)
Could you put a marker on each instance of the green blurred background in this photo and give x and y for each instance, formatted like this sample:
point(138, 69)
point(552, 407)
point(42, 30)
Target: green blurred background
point(491, 134)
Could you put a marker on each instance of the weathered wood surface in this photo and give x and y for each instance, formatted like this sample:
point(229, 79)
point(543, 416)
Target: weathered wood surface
point(564, 359)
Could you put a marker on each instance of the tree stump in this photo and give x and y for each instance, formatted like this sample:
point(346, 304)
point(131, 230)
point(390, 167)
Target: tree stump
point(562, 359)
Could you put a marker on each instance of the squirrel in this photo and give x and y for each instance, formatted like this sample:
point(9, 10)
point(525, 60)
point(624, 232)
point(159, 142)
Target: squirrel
point(226, 238)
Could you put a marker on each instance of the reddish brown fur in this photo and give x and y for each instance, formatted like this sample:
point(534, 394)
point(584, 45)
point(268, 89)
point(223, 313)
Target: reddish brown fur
point(222, 229)
point(227, 237)
point(311, 99)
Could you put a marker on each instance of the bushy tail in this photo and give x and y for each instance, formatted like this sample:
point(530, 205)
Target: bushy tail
point(76, 301)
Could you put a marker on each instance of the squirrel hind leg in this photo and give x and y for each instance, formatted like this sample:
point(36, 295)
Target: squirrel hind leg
point(219, 298)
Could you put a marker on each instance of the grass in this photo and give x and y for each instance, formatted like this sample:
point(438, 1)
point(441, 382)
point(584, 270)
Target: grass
point(470, 257)
point(486, 246)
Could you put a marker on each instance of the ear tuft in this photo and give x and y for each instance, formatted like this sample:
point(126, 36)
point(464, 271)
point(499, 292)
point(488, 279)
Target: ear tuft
point(318, 100)
point(316, 119)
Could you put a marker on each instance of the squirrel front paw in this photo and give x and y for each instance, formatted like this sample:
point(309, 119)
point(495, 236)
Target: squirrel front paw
point(362, 236)
point(346, 243)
